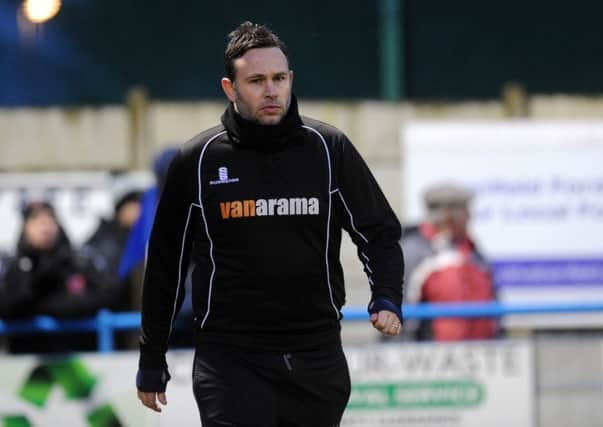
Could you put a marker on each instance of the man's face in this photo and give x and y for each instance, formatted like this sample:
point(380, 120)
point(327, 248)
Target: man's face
point(261, 90)
point(41, 230)
point(454, 221)
point(128, 213)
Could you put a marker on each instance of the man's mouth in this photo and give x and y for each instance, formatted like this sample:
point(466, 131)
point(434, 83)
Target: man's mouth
point(271, 108)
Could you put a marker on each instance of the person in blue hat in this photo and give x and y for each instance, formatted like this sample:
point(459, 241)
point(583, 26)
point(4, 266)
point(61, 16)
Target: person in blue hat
point(134, 251)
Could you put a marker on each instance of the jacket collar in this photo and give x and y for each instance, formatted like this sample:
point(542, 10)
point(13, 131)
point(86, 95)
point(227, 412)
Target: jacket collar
point(250, 133)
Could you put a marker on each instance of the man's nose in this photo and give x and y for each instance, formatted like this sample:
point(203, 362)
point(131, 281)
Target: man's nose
point(270, 89)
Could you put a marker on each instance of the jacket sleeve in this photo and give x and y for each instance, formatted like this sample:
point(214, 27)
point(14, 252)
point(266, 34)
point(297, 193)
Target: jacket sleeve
point(371, 223)
point(168, 256)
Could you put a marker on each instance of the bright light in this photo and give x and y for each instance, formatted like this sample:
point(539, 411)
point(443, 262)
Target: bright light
point(38, 11)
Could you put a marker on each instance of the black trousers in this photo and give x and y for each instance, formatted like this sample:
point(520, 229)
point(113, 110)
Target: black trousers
point(237, 388)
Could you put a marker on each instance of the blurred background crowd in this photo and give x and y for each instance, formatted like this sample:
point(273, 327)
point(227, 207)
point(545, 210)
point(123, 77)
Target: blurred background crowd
point(46, 274)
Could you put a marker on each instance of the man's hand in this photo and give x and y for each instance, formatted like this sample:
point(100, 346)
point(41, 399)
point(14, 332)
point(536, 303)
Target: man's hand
point(150, 400)
point(386, 322)
point(152, 379)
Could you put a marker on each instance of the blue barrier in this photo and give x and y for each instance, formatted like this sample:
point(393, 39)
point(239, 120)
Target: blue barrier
point(105, 323)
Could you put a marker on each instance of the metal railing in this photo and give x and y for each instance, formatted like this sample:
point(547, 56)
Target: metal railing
point(106, 323)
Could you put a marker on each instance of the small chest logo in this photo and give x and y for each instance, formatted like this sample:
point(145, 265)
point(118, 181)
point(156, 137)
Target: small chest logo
point(223, 177)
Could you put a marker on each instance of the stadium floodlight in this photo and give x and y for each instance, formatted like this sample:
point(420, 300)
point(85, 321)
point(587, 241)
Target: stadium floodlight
point(39, 11)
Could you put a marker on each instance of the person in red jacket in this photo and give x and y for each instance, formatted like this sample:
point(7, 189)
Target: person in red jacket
point(444, 265)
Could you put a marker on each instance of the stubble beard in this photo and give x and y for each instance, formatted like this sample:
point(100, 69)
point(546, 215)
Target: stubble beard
point(247, 115)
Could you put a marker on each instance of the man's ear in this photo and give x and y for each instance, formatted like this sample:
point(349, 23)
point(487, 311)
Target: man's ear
point(228, 88)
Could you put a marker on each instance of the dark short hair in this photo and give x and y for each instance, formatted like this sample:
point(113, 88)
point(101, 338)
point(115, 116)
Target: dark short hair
point(245, 37)
point(34, 207)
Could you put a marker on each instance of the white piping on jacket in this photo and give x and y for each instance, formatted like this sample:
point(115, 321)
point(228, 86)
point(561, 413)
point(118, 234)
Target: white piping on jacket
point(188, 218)
point(324, 143)
point(211, 243)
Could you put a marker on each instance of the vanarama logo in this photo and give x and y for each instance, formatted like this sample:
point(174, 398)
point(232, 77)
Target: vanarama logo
point(269, 207)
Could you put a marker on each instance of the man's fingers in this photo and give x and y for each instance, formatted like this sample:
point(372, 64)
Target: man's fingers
point(150, 400)
point(161, 397)
point(386, 319)
point(386, 322)
point(152, 404)
point(394, 328)
point(379, 322)
point(391, 323)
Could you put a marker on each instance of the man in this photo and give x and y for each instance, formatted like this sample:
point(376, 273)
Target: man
point(258, 204)
point(443, 264)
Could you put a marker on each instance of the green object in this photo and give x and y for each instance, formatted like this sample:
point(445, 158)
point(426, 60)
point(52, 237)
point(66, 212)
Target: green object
point(70, 374)
point(15, 421)
point(74, 377)
point(38, 386)
point(103, 417)
point(412, 395)
point(391, 47)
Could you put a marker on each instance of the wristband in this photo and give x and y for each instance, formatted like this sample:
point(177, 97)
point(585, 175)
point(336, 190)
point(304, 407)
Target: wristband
point(380, 304)
point(152, 380)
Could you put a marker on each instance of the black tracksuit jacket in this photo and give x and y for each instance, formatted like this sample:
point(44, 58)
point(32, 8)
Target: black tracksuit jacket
point(258, 211)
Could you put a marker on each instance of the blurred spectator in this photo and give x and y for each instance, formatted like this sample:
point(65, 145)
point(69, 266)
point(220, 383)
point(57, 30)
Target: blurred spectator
point(107, 243)
point(443, 265)
point(47, 276)
point(135, 250)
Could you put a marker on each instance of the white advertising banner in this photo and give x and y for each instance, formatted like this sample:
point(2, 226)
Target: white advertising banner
point(537, 213)
point(453, 385)
point(442, 385)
